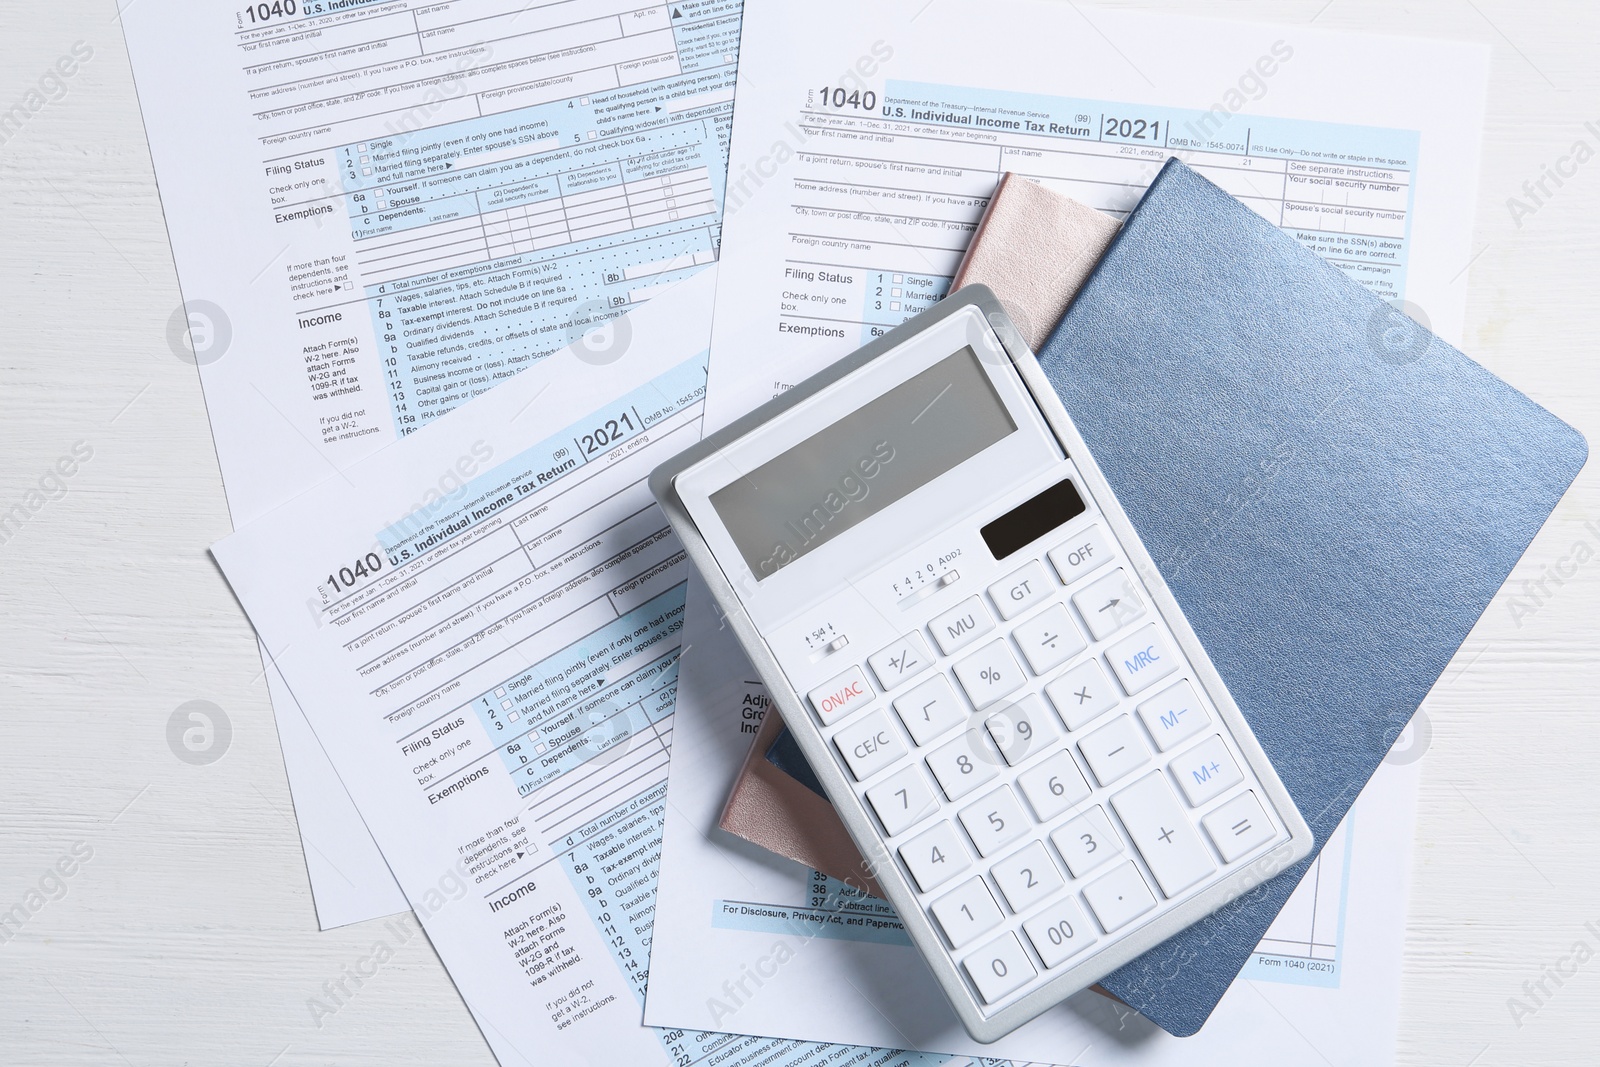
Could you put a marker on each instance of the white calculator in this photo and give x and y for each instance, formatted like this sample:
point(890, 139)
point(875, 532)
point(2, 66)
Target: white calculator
point(981, 662)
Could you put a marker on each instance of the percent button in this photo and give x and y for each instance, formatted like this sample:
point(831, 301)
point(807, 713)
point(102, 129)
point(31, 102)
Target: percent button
point(989, 674)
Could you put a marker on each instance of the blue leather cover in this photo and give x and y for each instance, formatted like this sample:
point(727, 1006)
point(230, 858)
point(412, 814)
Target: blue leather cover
point(1332, 494)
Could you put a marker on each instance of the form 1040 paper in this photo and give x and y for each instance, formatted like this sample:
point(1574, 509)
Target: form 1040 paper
point(380, 208)
point(491, 663)
point(859, 167)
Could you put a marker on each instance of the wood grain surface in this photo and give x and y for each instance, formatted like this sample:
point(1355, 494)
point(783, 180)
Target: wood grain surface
point(185, 934)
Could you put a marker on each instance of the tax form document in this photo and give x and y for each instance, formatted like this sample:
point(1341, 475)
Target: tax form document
point(858, 170)
point(491, 664)
point(379, 209)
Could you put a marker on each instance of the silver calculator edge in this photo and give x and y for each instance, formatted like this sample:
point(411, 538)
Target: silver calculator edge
point(984, 1028)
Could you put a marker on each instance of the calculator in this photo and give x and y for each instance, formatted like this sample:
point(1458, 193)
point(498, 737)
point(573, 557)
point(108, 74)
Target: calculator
point(981, 662)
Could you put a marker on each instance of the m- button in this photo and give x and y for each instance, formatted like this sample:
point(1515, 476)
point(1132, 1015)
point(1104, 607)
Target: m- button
point(1021, 590)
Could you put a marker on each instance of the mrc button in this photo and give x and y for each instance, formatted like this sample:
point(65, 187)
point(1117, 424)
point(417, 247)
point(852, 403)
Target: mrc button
point(1141, 659)
point(841, 695)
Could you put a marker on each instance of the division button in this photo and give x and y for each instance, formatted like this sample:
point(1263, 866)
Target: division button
point(999, 968)
point(1161, 832)
point(1119, 898)
point(1239, 827)
point(1049, 639)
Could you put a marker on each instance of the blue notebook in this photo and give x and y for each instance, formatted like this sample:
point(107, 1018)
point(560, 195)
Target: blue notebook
point(1332, 495)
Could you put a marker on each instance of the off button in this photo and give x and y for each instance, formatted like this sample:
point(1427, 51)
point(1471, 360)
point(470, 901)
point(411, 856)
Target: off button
point(1077, 557)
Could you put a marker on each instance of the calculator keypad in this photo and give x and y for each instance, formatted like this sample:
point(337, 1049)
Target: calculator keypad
point(1041, 761)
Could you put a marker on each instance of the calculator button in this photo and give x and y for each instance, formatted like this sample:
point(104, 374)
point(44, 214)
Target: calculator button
point(1081, 694)
point(1077, 557)
point(1141, 660)
point(1049, 639)
point(1161, 832)
point(870, 745)
point(929, 709)
point(989, 674)
point(1060, 932)
point(1087, 841)
point(900, 661)
point(1119, 898)
point(902, 800)
point(995, 821)
point(1205, 771)
point(999, 968)
point(966, 912)
point(963, 765)
point(1054, 786)
point(1108, 604)
point(935, 856)
point(1023, 729)
point(841, 695)
point(1115, 750)
point(1238, 827)
point(1021, 590)
point(1173, 716)
point(1028, 877)
point(961, 625)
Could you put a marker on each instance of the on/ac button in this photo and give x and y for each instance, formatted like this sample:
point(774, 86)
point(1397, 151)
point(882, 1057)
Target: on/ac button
point(841, 695)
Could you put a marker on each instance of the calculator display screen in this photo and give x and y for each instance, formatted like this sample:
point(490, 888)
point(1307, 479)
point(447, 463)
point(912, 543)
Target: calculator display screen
point(885, 449)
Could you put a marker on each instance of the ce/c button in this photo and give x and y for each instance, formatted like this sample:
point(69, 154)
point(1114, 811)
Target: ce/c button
point(870, 745)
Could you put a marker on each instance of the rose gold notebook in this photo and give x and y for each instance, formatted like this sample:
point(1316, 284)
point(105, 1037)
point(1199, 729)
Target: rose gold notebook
point(1034, 248)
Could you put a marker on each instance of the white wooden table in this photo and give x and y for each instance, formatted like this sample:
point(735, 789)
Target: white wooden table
point(185, 933)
